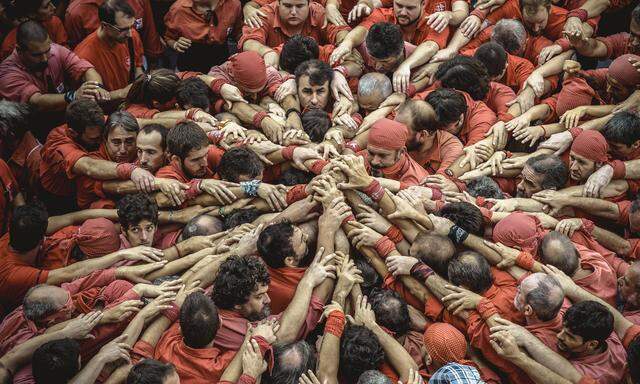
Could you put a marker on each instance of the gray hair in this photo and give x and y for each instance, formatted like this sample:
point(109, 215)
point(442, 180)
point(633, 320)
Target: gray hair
point(374, 82)
point(122, 119)
point(39, 307)
point(373, 377)
point(547, 298)
point(14, 116)
point(509, 33)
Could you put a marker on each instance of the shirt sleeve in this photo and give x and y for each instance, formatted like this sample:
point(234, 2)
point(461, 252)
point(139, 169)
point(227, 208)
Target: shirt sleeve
point(502, 96)
point(258, 34)
point(616, 44)
point(450, 150)
point(16, 86)
point(480, 120)
point(74, 66)
point(274, 80)
point(96, 279)
point(522, 71)
point(22, 278)
point(377, 16)
point(70, 154)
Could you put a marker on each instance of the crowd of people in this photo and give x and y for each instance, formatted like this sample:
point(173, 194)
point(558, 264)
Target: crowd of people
point(319, 191)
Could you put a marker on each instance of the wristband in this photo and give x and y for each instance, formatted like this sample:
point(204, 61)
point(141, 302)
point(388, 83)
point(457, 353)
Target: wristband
point(258, 117)
point(394, 234)
point(69, 96)
point(384, 246)
point(544, 131)
point(290, 111)
point(342, 69)
point(564, 44)
point(421, 271)
point(486, 309)
point(352, 145)
point(411, 90)
point(588, 226)
point(296, 193)
point(194, 189)
point(348, 219)
point(191, 113)
point(125, 170)
point(580, 13)
point(374, 190)
point(335, 323)
point(436, 194)
point(178, 251)
point(457, 234)
point(287, 152)
point(216, 85)
point(317, 166)
point(250, 188)
point(215, 137)
point(172, 313)
point(525, 260)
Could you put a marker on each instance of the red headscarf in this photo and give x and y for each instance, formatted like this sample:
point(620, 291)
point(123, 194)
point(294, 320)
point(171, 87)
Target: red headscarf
point(591, 145)
point(446, 344)
point(249, 70)
point(574, 93)
point(624, 72)
point(387, 134)
point(96, 237)
point(519, 229)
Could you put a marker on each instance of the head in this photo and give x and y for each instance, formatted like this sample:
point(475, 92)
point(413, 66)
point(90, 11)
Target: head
point(629, 286)
point(450, 108)
point(535, 15)
point(420, 119)
point(241, 286)
point(465, 215)
point(434, 250)
point(85, 118)
point(391, 311)
point(407, 12)
point(622, 132)
point(42, 301)
point(116, 20)
point(249, 71)
point(360, 351)
point(193, 93)
point(240, 164)
point(201, 225)
point(494, 58)
point(151, 147)
point(465, 74)
point(155, 90)
point(470, 270)
point(519, 230)
point(558, 250)
point(589, 152)
point(373, 89)
point(371, 278)
point(283, 245)
point(539, 297)
point(316, 123)
point(95, 238)
point(293, 12)
point(586, 327)
point(385, 145)
point(622, 78)
point(385, 45)
point(373, 377)
point(138, 215)
point(241, 216)
point(540, 173)
point(291, 361)
point(28, 227)
point(15, 120)
point(313, 78)
point(634, 30)
point(511, 35)
point(150, 371)
point(445, 344)
point(297, 50)
point(121, 129)
point(486, 187)
point(33, 45)
point(188, 145)
point(199, 321)
point(56, 362)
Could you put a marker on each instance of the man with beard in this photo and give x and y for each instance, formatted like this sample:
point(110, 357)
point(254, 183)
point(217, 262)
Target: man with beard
point(151, 145)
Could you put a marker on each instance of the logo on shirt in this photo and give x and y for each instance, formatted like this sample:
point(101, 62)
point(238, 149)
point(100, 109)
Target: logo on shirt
point(60, 88)
point(440, 7)
point(138, 24)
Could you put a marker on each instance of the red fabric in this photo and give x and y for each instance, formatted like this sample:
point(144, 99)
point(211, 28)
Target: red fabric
point(575, 92)
point(54, 28)
point(141, 111)
point(384, 247)
point(282, 286)
point(183, 21)
point(445, 150)
point(387, 134)
point(477, 121)
point(608, 367)
point(521, 230)
point(417, 33)
point(624, 72)
point(9, 190)
point(296, 193)
point(632, 332)
point(446, 344)
point(249, 70)
point(547, 331)
point(591, 145)
point(618, 45)
point(496, 99)
point(518, 70)
point(335, 323)
point(226, 73)
point(59, 155)
point(602, 282)
point(25, 163)
point(89, 192)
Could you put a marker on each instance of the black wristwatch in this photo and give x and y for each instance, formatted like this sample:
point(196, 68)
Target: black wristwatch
point(457, 234)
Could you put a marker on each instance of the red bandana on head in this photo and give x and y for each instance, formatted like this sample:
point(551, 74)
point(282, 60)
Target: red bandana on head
point(591, 145)
point(388, 134)
point(249, 70)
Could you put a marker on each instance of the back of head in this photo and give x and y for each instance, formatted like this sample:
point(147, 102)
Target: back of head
point(373, 377)
point(22, 9)
point(150, 371)
point(391, 311)
point(82, 114)
point(422, 115)
point(291, 361)
point(485, 187)
point(30, 32)
point(56, 362)
point(274, 244)
point(238, 163)
point(14, 119)
point(624, 72)
point(199, 321)
point(465, 74)
point(384, 40)
point(589, 320)
point(159, 85)
point(555, 171)
point(558, 250)
point(360, 351)
point(622, 128)
point(185, 137)
point(316, 123)
point(297, 50)
point(238, 277)
point(371, 278)
point(494, 58)
point(37, 304)
point(465, 215)
point(448, 105)
point(434, 250)
point(193, 93)
point(107, 11)
point(202, 225)
point(294, 176)
point(28, 227)
point(546, 298)
point(471, 270)
point(318, 71)
point(445, 343)
point(241, 216)
point(132, 209)
point(510, 34)
point(374, 87)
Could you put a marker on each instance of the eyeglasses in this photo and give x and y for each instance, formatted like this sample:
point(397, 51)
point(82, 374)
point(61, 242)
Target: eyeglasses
point(116, 28)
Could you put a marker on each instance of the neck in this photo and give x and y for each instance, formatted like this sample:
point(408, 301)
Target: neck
point(29, 257)
point(428, 143)
point(103, 36)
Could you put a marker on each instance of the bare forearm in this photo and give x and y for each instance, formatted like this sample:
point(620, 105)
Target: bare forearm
point(328, 361)
point(252, 45)
point(398, 357)
point(612, 241)
point(90, 372)
point(423, 53)
point(538, 372)
point(296, 312)
point(550, 359)
point(56, 223)
point(82, 268)
point(96, 168)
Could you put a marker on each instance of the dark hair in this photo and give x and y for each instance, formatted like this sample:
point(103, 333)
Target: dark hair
point(238, 162)
point(30, 31)
point(159, 85)
point(150, 371)
point(122, 119)
point(162, 130)
point(56, 362)
point(589, 320)
point(633, 352)
point(241, 216)
point(318, 71)
point(22, 8)
point(623, 128)
point(107, 11)
point(84, 113)
point(423, 116)
point(291, 361)
point(238, 277)
point(465, 74)
point(294, 176)
point(274, 244)
point(371, 278)
point(486, 187)
point(558, 250)
point(471, 270)
point(132, 209)
point(552, 167)
point(448, 104)
point(544, 299)
point(360, 351)
point(635, 16)
point(465, 215)
point(28, 227)
point(36, 309)
point(635, 205)
point(434, 250)
point(199, 321)
point(185, 137)
point(193, 92)
point(384, 40)
point(391, 311)
point(493, 56)
point(201, 225)
point(296, 51)
point(534, 4)
point(316, 123)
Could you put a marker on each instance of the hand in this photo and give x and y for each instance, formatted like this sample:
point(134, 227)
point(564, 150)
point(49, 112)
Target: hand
point(414, 377)
point(335, 214)
point(158, 305)
point(253, 364)
point(309, 377)
point(573, 29)
point(136, 273)
point(142, 253)
point(568, 226)
point(353, 167)
point(295, 136)
point(486, 4)
point(81, 327)
point(441, 225)
point(331, 307)
point(143, 180)
point(495, 163)
point(342, 106)
point(121, 311)
point(519, 333)
point(266, 329)
point(275, 109)
point(500, 135)
point(504, 205)
point(558, 142)
point(440, 182)
point(334, 16)
point(151, 290)
point(253, 17)
point(248, 245)
point(555, 200)
point(325, 190)
point(274, 195)
point(219, 189)
point(335, 135)
point(340, 86)
point(571, 119)
point(505, 345)
point(347, 121)
point(404, 210)
point(272, 129)
point(472, 157)
point(546, 221)
point(518, 123)
point(185, 291)
point(426, 71)
point(340, 52)
point(92, 90)
point(400, 265)
point(173, 190)
point(459, 197)
point(320, 269)
point(631, 104)
point(363, 313)
point(548, 53)
point(115, 350)
point(262, 147)
point(571, 67)
point(460, 300)
point(272, 59)
point(530, 135)
point(231, 94)
point(597, 181)
point(301, 154)
point(348, 276)
point(509, 255)
point(566, 282)
point(438, 21)
point(470, 26)
point(363, 236)
point(474, 174)
point(444, 54)
point(233, 131)
point(401, 78)
point(181, 45)
point(373, 219)
point(288, 88)
point(536, 82)
point(358, 11)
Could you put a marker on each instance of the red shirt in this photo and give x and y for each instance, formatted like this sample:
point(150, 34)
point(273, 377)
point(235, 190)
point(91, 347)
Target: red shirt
point(9, 188)
point(496, 99)
point(602, 282)
point(25, 163)
point(518, 70)
point(618, 45)
point(416, 33)
point(54, 28)
point(275, 32)
point(274, 78)
point(533, 44)
point(111, 61)
point(183, 20)
point(608, 367)
point(282, 286)
point(445, 150)
point(18, 84)
point(59, 154)
point(89, 191)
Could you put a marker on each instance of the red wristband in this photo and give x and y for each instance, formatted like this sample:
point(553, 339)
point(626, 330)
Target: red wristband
point(258, 117)
point(436, 194)
point(194, 189)
point(384, 246)
point(216, 85)
point(374, 190)
point(588, 225)
point(411, 90)
point(564, 44)
point(580, 13)
point(394, 234)
point(348, 219)
point(192, 112)
point(575, 132)
point(287, 152)
point(619, 169)
point(335, 323)
point(317, 166)
point(421, 271)
point(342, 69)
point(352, 145)
point(172, 313)
point(525, 260)
point(124, 170)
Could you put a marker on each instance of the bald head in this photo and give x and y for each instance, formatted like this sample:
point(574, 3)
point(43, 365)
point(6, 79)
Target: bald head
point(291, 361)
point(470, 270)
point(373, 89)
point(373, 377)
point(558, 250)
point(544, 294)
point(434, 250)
point(202, 225)
point(43, 300)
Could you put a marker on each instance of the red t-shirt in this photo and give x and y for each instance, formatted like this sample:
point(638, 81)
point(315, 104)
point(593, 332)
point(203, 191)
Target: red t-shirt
point(9, 189)
point(183, 21)
point(416, 34)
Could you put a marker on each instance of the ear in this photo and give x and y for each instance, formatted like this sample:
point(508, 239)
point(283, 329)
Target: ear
point(528, 311)
point(636, 144)
point(155, 104)
point(289, 261)
point(173, 157)
point(427, 359)
point(592, 345)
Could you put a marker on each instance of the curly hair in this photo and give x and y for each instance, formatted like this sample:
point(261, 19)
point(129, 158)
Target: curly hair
point(238, 277)
point(132, 209)
point(297, 50)
point(238, 162)
point(274, 244)
point(384, 40)
point(316, 123)
point(589, 320)
point(466, 74)
point(360, 351)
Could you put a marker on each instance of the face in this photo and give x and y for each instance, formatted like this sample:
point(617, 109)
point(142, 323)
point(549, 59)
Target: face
point(536, 20)
point(121, 30)
point(628, 287)
point(370, 103)
point(531, 182)
point(382, 158)
point(519, 300)
point(141, 233)
point(293, 12)
point(617, 91)
point(257, 307)
point(570, 344)
point(121, 145)
point(45, 12)
point(623, 150)
point(195, 164)
point(299, 244)
point(389, 64)
point(634, 40)
point(312, 96)
point(455, 127)
point(407, 11)
point(150, 152)
point(91, 138)
point(580, 168)
point(35, 55)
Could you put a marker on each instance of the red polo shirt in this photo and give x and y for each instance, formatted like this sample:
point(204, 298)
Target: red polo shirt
point(183, 20)
point(59, 154)
point(89, 191)
point(25, 163)
point(416, 33)
point(9, 189)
